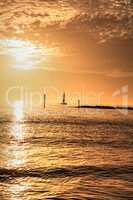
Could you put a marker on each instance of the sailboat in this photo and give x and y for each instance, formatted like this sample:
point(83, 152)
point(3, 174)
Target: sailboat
point(64, 99)
point(44, 99)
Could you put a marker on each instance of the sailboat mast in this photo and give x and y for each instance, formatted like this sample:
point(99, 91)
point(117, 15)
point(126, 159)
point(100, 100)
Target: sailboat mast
point(44, 100)
point(64, 99)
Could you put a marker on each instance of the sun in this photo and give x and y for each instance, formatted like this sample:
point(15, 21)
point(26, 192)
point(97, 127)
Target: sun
point(25, 54)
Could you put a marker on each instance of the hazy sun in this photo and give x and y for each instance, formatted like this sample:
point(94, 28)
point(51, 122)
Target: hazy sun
point(26, 55)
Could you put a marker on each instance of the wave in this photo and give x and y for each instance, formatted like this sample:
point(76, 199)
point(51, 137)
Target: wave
point(72, 121)
point(121, 172)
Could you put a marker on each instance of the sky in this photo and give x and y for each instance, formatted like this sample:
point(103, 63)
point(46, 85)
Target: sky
point(83, 47)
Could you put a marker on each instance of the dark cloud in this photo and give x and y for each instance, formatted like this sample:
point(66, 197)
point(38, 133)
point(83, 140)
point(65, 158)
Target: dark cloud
point(100, 32)
point(102, 18)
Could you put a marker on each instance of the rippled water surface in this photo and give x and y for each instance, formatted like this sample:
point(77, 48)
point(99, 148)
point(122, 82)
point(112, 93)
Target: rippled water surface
point(67, 153)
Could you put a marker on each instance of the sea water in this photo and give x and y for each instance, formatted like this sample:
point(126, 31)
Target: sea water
point(66, 153)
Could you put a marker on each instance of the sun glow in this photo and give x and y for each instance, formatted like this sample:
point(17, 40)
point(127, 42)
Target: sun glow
point(25, 54)
point(18, 110)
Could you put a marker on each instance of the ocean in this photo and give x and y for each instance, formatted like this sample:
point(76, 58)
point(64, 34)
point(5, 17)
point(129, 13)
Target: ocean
point(66, 153)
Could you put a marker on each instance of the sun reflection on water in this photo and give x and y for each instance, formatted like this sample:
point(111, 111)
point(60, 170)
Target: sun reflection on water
point(18, 110)
point(17, 131)
point(17, 154)
point(16, 149)
point(18, 157)
point(17, 190)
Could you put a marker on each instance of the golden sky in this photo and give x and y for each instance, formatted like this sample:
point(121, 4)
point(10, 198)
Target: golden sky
point(68, 45)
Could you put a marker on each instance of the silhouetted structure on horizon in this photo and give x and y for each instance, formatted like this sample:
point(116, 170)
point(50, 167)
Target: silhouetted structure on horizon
point(79, 103)
point(64, 99)
point(44, 101)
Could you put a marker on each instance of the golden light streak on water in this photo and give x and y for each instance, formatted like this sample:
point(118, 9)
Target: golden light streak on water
point(18, 110)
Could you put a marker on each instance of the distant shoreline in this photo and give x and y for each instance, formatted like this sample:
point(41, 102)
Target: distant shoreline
point(105, 107)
